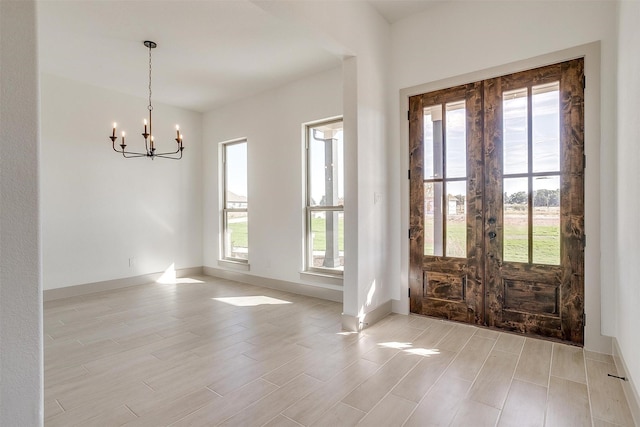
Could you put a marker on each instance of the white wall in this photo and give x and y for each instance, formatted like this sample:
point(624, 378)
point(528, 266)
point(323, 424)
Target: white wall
point(21, 349)
point(358, 33)
point(272, 124)
point(458, 38)
point(99, 209)
point(628, 238)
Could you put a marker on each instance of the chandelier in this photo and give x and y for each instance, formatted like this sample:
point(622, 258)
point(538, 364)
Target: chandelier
point(149, 143)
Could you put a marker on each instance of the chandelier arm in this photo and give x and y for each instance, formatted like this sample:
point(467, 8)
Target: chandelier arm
point(114, 148)
point(132, 155)
point(168, 157)
point(169, 152)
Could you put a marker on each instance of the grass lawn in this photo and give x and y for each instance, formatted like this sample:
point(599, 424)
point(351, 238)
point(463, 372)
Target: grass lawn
point(546, 242)
point(239, 234)
point(319, 234)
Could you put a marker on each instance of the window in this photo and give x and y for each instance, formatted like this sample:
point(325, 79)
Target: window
point(325, 198)
point(235, 219)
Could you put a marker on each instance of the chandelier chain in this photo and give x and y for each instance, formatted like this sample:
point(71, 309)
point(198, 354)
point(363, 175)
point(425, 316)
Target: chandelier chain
point(150, 107)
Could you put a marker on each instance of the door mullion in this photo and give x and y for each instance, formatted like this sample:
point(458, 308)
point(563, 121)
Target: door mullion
point(444, 180)
point(529, 170)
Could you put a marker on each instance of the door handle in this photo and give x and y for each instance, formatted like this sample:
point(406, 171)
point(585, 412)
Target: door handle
point(492, 235)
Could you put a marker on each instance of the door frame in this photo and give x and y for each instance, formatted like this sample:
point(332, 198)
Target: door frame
point(595, 199)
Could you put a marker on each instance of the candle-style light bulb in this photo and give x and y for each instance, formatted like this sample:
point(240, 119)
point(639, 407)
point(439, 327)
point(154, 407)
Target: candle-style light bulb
point(178, 131)
point(115, 125)
point(145, 125)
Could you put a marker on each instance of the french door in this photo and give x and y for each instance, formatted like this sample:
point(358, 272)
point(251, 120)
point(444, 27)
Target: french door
point(497, 202)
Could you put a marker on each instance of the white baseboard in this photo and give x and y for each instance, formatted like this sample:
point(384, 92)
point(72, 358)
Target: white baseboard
point(281, 285)
point(629, 387)
point(400, 306)
point(355, 324)
point(108, 285)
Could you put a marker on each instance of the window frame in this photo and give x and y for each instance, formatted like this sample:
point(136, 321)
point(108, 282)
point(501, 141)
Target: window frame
point(225, 210)
point(311, 209)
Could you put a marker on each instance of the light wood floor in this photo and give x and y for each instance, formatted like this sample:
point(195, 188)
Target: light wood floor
point(214, 352)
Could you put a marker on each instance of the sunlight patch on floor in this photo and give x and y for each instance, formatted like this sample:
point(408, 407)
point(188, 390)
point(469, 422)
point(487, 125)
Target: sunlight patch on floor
point(398, 345)
point(407, 347)
point(251, 301)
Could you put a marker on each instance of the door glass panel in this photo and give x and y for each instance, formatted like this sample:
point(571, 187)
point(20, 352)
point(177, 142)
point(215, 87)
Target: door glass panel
point(515, 149)
point(456, 140)
point(516, 219)
point(545, 108)
point(433, 218)
point(546, 220)
point(433, 142)
point(456, 237)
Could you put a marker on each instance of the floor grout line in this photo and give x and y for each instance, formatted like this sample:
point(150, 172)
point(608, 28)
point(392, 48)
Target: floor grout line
point(586, 376)
point(439, 377)
point(60, 405)
point(131, 410)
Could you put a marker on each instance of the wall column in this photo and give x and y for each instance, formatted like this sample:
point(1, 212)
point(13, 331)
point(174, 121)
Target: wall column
point(21, 347)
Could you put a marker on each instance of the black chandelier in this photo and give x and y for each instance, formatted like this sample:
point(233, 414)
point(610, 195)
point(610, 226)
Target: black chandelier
point(149, 144)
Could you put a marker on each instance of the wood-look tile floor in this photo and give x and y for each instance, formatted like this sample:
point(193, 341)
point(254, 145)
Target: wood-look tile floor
point(208, 352)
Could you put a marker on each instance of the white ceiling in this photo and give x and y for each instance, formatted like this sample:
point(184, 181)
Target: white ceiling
point(395, 10)
point(210, 52)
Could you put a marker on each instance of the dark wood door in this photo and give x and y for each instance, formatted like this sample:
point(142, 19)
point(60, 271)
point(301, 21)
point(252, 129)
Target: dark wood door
point(446, 187)
point(497, 202)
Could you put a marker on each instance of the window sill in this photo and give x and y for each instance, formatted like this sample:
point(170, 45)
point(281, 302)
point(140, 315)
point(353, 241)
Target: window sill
point(319, 279)
point(234, 265)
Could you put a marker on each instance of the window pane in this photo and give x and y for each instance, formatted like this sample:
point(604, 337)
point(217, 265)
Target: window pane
point(236, 235)
point(327, 240)
point(456, 141)
point(433, 218)
point(515, 146)
point(516, 219)
point(546, 220)
point(326, 168)
point(433, 142)
point(457, 219)
point(236, 175)
point(546, 127)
